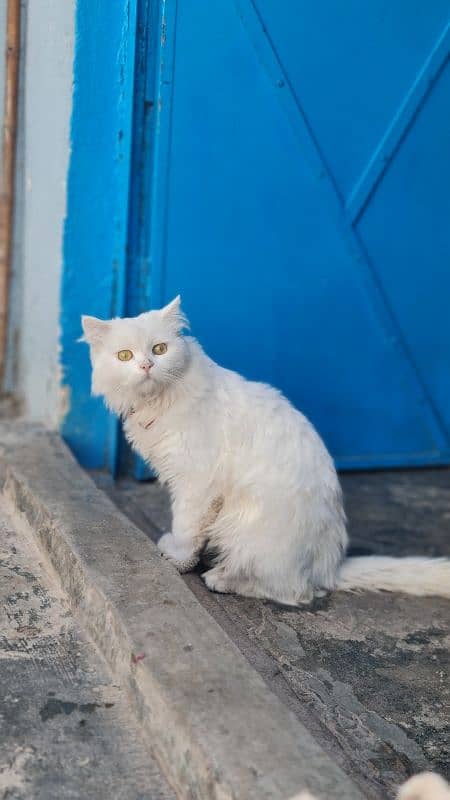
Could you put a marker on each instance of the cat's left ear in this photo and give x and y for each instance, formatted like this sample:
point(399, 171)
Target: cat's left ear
point(172, 308)
point(173, 313)
point(93, 329)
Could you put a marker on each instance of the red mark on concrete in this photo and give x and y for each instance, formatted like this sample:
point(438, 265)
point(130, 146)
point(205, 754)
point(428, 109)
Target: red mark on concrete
point(136, 658)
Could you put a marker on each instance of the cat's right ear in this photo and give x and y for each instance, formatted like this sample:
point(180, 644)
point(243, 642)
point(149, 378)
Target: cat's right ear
point(93, 329)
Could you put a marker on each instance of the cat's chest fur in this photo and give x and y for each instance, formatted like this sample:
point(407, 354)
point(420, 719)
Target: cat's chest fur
point(173, 445)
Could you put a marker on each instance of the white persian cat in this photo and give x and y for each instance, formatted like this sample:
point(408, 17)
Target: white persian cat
point(249, 477)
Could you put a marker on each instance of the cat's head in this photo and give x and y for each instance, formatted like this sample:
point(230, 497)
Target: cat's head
point(136, 357)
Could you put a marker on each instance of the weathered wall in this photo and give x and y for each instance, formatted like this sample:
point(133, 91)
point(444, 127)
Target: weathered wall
point(11, 376)
point(43, 156)
point(2, 56)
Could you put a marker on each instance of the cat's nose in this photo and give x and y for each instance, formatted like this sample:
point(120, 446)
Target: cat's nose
point(146, 365)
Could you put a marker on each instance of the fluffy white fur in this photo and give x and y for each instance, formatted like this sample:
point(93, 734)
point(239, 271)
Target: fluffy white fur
point(249, 477)
point(426, 786)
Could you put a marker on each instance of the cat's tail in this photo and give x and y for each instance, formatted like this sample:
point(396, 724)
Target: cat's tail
point(412, 575)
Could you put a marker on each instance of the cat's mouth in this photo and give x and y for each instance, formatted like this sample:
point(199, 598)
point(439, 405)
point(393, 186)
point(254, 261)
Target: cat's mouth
point(146, 384)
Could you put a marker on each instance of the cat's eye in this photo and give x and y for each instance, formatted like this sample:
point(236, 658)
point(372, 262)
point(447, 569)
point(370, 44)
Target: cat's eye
point(124, 355)
point(159, 349)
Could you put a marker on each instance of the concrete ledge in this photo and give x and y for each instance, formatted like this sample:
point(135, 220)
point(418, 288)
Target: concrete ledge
point(221, 734)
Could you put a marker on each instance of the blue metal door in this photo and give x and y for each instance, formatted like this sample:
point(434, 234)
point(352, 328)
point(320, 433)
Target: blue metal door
point(289, 175)
point(300, 203)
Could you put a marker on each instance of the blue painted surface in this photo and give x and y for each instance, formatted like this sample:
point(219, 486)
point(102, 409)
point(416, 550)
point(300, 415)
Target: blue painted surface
point(289, 176)
point(305, 204)
point(94, 276)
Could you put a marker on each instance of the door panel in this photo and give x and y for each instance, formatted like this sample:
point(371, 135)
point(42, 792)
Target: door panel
point(412, 255)
point(351, 64)
point(265, 124)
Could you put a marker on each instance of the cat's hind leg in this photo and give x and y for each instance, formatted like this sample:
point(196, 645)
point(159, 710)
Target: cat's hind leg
point(222, 580)
point(218, 579)
point(259, 555)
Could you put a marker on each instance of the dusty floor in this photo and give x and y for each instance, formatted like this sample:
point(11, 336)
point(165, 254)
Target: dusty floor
point(65, 730)
point(368, 673)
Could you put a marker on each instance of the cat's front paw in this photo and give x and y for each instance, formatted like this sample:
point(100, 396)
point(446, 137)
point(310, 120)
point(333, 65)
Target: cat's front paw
point(179, 554)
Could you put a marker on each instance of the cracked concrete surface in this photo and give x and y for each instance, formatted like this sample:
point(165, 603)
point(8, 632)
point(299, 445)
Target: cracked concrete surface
point(366, 673)
point(65, 729)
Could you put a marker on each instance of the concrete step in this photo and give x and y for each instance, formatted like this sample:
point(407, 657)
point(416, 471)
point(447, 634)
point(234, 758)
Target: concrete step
point(66, 729)
point(215, 728)
point(366, 673)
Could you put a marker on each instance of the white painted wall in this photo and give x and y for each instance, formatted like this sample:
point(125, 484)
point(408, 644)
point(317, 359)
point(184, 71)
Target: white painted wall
point(43, 159)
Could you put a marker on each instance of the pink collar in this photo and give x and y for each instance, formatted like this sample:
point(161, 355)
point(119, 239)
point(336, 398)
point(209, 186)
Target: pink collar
point(145, 425)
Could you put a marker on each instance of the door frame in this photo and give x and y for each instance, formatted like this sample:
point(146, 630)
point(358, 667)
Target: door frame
point(105, 253)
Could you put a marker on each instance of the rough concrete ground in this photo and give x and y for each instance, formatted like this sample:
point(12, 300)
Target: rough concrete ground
point(204, 710)
point(65, 730)
point(366, 673)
